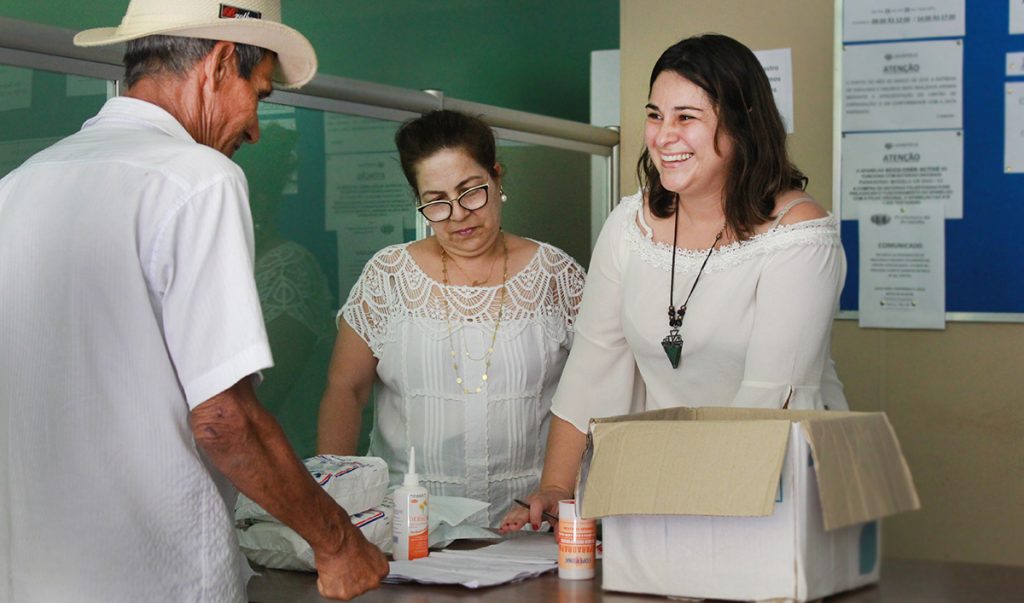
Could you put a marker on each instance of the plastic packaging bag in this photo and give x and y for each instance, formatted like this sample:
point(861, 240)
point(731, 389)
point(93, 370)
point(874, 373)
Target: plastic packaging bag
point(275, 545)
point(355, 482)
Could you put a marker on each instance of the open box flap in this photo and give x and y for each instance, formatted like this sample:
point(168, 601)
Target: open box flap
point(862, 474)
point(682, 467)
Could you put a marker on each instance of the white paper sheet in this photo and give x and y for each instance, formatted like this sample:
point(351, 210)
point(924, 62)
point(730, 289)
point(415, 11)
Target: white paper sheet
point(526, 547)
point(901, 19)
point(1014, 133)
point(778, 66)
point(509, 561)
point(1016, 16)
point(902, 265)
point(905, 86)
point(903, 166)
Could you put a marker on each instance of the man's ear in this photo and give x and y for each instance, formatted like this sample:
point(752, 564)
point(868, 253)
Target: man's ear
point(220, 64)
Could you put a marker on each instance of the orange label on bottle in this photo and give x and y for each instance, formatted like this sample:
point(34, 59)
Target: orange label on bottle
point(418, 545)
point(576, 539)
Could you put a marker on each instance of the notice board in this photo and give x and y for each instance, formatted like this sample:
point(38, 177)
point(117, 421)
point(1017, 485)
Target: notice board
point(984, 247)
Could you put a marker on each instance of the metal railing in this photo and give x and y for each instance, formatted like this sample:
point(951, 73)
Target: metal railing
point(37, 46)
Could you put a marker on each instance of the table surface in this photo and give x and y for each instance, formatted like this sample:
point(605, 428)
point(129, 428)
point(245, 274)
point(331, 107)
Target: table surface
point(903, 581)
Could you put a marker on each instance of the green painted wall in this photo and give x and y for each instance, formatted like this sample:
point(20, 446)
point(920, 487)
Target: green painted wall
point(531, 55)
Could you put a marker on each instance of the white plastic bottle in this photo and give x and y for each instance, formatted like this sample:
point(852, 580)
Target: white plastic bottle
point(412, 512)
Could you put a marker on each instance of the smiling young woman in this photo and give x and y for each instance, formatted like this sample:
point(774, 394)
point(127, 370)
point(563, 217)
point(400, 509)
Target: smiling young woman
point(716, 283)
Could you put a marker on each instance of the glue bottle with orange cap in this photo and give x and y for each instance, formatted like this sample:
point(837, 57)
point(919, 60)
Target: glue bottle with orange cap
point(409, 527)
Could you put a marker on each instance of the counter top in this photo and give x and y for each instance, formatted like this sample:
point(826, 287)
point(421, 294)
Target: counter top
point(903, 581)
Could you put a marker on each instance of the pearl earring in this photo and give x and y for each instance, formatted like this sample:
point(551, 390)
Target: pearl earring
point(504, 197)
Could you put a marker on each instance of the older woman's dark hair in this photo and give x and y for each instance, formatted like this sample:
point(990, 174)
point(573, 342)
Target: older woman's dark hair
point(741, 95)
point(152, 55)
point(420, 138)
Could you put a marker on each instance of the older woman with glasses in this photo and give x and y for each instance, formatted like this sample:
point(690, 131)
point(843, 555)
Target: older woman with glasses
point(463, 334)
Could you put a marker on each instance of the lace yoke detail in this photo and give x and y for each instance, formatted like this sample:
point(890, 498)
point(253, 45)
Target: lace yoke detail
point(823, 232)
point(394, 288)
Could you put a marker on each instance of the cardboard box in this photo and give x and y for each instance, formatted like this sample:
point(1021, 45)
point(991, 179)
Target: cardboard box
point(742, 504)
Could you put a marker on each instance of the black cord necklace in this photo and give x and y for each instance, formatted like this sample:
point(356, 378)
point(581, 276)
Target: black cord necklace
point(673, 343)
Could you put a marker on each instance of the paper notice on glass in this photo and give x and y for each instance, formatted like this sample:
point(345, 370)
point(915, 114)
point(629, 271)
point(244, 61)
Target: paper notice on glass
point(15, 88)
point(903, 166)
point(364, 185)
point(77, 85)
point(355, 134)
point(1016, 16)
point(902, 19)
point(359, 237)
point(902, 265)
point(1014, 134)
point(778, 66)
point(905, 86)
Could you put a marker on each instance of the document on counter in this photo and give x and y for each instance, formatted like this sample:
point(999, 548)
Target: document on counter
point(903, 86)
point(508, 561)
point(902, 265)
point(898, 19)
point(903, 166)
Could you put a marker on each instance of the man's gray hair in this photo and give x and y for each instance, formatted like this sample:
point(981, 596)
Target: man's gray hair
point(176, 55)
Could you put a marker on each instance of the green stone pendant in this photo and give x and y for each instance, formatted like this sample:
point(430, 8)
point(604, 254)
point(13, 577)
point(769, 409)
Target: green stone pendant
point(673, 345)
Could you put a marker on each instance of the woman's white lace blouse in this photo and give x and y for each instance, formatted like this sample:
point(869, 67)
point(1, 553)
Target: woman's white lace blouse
point(756, 332)
point(489, 445)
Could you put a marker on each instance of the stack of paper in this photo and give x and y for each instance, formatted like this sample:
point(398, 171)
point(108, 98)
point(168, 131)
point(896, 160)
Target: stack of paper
point(509, 561)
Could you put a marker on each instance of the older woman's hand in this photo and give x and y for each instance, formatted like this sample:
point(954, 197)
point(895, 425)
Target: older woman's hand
point(544, 500)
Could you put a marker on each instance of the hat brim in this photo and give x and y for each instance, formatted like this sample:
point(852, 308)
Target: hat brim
point(296, 59)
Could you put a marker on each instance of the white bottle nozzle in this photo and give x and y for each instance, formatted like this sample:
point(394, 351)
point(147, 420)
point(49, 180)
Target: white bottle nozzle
point(411, 477)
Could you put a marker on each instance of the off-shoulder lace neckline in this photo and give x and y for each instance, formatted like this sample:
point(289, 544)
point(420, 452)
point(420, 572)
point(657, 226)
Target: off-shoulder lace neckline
point(640, 228)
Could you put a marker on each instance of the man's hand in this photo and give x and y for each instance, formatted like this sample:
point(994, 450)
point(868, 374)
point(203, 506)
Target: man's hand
point(247, 445)
point(356, 568)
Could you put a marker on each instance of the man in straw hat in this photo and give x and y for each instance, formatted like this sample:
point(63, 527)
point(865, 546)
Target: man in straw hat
point(131, 333)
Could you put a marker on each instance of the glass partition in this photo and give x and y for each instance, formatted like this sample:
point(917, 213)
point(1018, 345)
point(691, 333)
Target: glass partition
point(327, 192)
point(38, 108)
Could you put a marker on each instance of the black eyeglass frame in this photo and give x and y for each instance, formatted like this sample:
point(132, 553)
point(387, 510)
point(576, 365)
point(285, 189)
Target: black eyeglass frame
point(451, 204)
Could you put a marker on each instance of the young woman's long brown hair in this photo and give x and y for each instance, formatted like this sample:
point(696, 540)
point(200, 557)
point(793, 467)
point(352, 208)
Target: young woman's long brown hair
point(739, 90)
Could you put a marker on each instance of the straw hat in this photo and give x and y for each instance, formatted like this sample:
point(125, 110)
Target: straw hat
point(254, 22)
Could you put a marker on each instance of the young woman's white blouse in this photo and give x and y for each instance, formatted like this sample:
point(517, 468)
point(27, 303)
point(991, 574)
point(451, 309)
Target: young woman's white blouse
point(756, 331)
point(489, 445)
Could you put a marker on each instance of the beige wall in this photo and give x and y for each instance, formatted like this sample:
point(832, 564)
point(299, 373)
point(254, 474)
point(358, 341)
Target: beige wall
point(955, 397)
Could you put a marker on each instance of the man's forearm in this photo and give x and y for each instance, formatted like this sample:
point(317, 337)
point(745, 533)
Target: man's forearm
point(246, 444)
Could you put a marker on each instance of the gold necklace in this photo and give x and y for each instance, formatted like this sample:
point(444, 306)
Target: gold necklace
point(476, 282)
point(494, 336)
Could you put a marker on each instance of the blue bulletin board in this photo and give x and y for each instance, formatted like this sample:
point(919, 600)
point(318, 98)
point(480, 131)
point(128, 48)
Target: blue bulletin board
point(984, 249)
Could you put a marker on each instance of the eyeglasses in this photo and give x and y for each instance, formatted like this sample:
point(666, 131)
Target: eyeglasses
point(471, 199)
